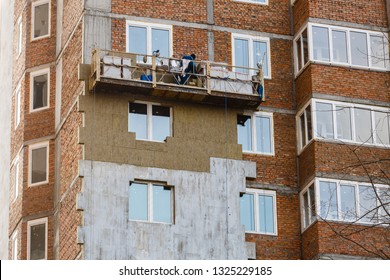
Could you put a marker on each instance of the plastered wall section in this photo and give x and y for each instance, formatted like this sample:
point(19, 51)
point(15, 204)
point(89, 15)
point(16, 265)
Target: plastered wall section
point(206, 212)
point(198, 133)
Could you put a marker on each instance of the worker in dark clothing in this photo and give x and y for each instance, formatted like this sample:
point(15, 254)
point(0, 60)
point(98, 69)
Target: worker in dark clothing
point(188, 66)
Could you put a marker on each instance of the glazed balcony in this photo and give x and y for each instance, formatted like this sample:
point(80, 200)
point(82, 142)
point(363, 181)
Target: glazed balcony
point(209, 82)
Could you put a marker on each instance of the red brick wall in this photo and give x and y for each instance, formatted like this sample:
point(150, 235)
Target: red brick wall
point(272, 18)
point(310, 243)
point(194, 11)
point(307, 163)
point(372, 239)
point(72, 11)
point(355, 11)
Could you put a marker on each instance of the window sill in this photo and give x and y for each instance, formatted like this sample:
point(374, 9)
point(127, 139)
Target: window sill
point(39, 109)
point(258, 153)
point(40, 37)
point(252, 2)
point(261, 233)
point(38, 184)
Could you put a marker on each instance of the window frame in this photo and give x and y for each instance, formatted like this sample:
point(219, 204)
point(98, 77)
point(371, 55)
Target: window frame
point(256, 193)
point(149, 118)
point(265, 3)
point(46, 145)
point(32, 76)
point(150, 197)
point(33, 5)
point(32, 223)
point(358, 220)
point(16, 179)
point(309, 27)
point(253, 116)
point(251, 39)
point(149, 26)
point(353, 107)
point(14, 242)
point(17, 106)
point(19, 44)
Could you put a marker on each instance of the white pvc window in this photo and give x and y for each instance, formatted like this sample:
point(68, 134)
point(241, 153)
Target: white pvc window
point(255, 133)
point(145, 38)
point(348, 122)
point(150, 202)
point(347, 201)
point(17, 106)
point(40, 19)
point(258, 211)
point(37, 239)
point(249, 51)
point(150, 121)
point(14, 244)
point(19, 36)
point(262, 2)
point(340, 46)
point(16, 179)
point(39, 90)
point(38, 164)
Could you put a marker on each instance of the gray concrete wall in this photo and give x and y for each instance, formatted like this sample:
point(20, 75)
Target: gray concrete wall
point(6, 36)
point(206, 212)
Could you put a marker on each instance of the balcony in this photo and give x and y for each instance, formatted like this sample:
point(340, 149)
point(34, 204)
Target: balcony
point(207, 82)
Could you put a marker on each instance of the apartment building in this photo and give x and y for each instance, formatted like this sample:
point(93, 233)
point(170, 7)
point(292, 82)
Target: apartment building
point(272, 143)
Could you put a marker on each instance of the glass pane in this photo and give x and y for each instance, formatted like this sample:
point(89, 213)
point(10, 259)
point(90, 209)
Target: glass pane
point(266, 214)
point(328, 200)
point(377, 53)
point(241, 54)
point(343, 121)
point(309, 124)
point(302, 128)
point(137, 40)
point(305, 47)
point(41, 20)
point(37, 242)
point(244, 131)
point(247, 212)
point(138, 121)
point(367, 204)
point(263, 134)
point(348, 202)
point(324, 120)
point(306, 209)
point(161, 122)
point(385, 209)
point(312, 204)
point(359, 51)
point(138, 202)
point(162, 204)
point(363, 127)
point(260, 56)
point(340, 46)
point(382, 128)
point(320, 43)
point(40, 91)
point(38, 165)
point(160, 41)
point(299, 53)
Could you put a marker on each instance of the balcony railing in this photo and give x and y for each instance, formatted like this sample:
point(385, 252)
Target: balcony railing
point(152, 70)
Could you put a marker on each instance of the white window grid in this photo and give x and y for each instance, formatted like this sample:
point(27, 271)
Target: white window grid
point(256, 205)
point(303, 113)
point(315, 134)
point(30, 150)
point(14, 242)
point(150, 202)
point(150, 120)
point(251, 39)
point(358, 221)
point(32, 76)
point(33, 5)
point(149, 27)
point(330, 28)
point(254, 132)
point(258, 2)
point(19, 27)
point(17, 106)
point(34, 223)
